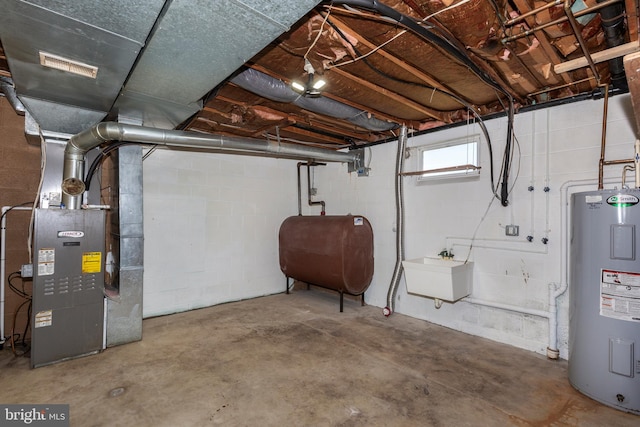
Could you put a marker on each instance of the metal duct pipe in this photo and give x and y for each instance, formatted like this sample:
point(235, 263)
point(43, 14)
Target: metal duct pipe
point(6, 87)
point(277, 90)
point(397, 271)
point(101, 133)
point(613, 25)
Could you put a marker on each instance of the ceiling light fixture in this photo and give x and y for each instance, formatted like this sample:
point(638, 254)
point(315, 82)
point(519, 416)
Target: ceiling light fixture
point(312, 87)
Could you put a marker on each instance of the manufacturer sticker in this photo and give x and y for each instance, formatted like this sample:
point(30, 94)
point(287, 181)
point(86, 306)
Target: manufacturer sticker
point(91, 262)
point(43, 318)
point(622, 200)
point(620, 295)
point(46, 261)
point(358, 220)
point(71, 233)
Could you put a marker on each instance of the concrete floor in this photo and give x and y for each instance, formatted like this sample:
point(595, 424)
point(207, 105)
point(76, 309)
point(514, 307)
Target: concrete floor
point(294, 360)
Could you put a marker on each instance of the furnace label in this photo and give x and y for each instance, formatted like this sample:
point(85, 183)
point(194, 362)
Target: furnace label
point(46, 261)
point(91, 262)
point(43, 318)
point(620, 295)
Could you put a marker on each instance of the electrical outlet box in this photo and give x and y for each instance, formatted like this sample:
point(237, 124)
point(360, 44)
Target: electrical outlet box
point(26, 271)
point(512, 230)
point(363, 171)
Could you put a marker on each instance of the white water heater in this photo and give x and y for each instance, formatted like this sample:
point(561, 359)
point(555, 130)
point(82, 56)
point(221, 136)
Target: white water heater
point(604, 313)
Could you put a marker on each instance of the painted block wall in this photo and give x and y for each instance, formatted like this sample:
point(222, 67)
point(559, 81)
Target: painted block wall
point(19, 177)
point(211, 220)
point(211, 226)
point(557, 148)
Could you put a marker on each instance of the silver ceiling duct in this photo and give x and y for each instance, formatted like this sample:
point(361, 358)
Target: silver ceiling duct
point(104, 132)
point(152, 60)
point(276, 90)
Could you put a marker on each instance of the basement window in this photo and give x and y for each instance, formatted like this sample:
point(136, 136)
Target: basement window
point(457, 158)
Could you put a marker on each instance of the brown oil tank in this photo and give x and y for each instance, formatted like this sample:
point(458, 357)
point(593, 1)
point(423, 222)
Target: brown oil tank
point(334, 252)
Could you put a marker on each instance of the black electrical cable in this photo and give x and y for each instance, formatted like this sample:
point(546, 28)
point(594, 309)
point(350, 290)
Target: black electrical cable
point(13, 207)
point(464, 103)
point(456, 53)
point(427, 34)
point(13, 287)
point(96, 162)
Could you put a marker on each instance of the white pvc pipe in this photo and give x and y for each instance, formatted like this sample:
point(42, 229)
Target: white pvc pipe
point(3, 238)
point(555, 289)
point(636, 162)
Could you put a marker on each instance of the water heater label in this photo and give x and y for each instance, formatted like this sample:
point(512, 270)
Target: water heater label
point(620, 295)
point(358, 220)
point(623, 200)
point(46, 261)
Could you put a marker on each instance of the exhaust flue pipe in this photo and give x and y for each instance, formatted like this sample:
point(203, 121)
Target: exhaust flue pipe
point(80, 144)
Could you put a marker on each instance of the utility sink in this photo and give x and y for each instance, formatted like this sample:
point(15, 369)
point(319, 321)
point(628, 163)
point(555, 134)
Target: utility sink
point(442, 279)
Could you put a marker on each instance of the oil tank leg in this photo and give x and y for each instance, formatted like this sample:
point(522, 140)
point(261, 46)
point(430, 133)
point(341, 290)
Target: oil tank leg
point(286, 283)
point(341, 301)
point(362, 300)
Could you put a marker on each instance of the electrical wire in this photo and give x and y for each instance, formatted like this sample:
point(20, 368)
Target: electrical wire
point(455, 97)
point(324, 21)
point(458, 54)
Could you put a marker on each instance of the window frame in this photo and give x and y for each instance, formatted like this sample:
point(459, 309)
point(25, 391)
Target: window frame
point(468, 173)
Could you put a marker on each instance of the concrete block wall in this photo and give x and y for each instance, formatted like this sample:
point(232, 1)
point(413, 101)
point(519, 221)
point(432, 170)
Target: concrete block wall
point(19, 177)
point(211, 226)
point(554, 148)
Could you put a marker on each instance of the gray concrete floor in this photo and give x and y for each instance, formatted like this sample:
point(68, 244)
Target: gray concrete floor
point(294, 360)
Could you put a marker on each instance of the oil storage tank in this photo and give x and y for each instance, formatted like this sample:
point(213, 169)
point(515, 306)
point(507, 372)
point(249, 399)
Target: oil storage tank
point(604, 313)
point(334, 252)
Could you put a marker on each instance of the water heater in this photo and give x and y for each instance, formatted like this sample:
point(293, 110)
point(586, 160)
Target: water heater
point(604, 313)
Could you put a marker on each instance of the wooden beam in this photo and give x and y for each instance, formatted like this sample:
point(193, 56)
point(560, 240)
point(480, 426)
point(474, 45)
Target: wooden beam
point(603, 55)
point(429, 112)
point(632, 70)
point(378, 114)
point(333, 125)
point(554, 58)
point(419, 74)
point(310, 134)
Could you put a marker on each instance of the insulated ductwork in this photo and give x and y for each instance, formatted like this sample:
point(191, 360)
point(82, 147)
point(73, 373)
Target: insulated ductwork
point(276, 90)
point(80, 144)
point(9, 91)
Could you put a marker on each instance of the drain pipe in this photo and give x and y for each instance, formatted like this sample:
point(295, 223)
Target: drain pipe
point(311, 202)
point(80, 144)
point(397, 271)
point(612, 18)
point(9, 91)
point(636, 159)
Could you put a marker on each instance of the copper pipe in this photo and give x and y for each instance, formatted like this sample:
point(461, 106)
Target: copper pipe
point(532, 12)
point(559, 87)
point(559, 21)
point(449, 169)
point(618, 162)
point(603, 142)
point(578, 34)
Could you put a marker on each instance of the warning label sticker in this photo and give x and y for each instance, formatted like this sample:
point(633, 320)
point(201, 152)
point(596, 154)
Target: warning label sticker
point(91, 262)
point(620, 295)
point(46, 261)
point(43, 318)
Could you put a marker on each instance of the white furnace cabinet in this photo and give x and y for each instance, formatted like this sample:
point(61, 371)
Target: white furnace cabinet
point(68, 284)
